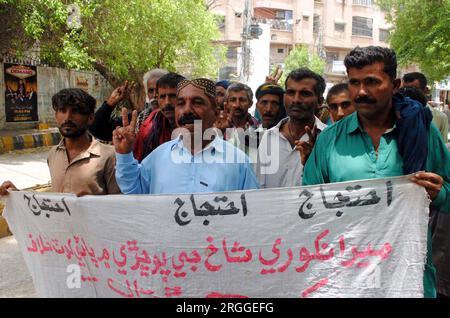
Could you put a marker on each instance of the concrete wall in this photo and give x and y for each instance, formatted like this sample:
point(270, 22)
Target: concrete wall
point(49, 81)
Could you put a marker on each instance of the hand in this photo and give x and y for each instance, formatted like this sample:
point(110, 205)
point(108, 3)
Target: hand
point(275, 77)
point(7, 185)
point(306, 147)
point(223, 121)
point(430, 181)
point(119, 94)
point(123, 137)
point(137, 96)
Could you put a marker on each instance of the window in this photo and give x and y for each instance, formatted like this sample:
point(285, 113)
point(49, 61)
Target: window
point(362, 26)
point(280, 51)
point(232, 53)
point(339, 27)
point(316, 24)
point(384, 35)
point(368, 3)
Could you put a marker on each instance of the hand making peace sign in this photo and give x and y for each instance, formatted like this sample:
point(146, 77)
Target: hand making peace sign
point(123, 137)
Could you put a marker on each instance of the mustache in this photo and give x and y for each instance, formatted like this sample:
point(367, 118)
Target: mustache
point(187, 119)
point(168, 107)
point(365, 100)
point(301, 106)
point(68, 124)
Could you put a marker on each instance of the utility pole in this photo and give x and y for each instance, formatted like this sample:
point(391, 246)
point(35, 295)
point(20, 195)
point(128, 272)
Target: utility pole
point(245, 62)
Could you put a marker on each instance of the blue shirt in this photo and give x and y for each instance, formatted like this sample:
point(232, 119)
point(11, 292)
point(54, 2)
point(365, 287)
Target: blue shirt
point(171, 168)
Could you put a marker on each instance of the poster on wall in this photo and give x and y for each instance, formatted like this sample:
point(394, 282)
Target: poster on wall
point(21, 93)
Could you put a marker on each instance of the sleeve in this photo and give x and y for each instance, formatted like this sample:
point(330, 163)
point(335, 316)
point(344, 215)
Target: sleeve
point(132, 177)
point(261, 161)
point(249, 180)
point(103, 125)
point(315, 170)
point(439, 163)
point(110, 176)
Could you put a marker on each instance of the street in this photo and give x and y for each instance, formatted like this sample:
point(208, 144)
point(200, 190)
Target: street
point(25, 169)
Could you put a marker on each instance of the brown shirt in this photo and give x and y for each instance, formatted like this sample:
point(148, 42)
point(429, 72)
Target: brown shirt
point(92, 171)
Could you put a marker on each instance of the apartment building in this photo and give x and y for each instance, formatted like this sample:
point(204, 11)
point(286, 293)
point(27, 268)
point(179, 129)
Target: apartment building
point(330, 28)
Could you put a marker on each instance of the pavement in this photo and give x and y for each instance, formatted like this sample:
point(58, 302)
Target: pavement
point(11, 140)
point(15, 279)
point(26, 168)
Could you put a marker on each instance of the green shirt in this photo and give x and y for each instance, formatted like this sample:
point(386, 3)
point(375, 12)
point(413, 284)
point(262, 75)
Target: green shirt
point(344, 152)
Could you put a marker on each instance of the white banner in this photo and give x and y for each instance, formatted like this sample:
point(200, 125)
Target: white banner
point(352, 239)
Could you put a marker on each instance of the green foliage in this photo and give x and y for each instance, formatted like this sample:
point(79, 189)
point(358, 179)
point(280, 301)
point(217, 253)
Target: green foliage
point(127, 38)
point(301, 57)
point(421, 34)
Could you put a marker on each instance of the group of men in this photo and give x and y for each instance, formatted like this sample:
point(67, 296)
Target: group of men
point(198, 136)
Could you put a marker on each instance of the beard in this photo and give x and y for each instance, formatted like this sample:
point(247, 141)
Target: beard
point(73, 132)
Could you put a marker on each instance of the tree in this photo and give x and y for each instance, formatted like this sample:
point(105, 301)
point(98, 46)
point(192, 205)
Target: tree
point(120, 39)
point(301, 57)
point(421, 34)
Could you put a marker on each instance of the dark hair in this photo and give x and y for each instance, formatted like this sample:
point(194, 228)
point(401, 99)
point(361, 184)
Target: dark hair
point(360, 57)
point(411, 77)
point(414, 93)
point(169, 80)
point(74, 97)
point(302, 73)
point(337, 89)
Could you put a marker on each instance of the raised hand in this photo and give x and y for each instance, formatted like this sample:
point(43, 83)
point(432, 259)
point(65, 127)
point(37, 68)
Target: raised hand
point(119, 94)
point(275, 77)
point(124, 137)
point(306, 147)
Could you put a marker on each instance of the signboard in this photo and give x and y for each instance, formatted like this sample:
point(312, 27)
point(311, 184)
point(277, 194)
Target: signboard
point(20, 93)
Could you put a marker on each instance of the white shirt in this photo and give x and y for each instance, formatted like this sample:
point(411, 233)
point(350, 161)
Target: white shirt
point(280, 167)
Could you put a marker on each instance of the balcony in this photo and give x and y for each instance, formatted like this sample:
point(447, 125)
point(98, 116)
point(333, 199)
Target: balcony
point(277, 4)
point(276, 24)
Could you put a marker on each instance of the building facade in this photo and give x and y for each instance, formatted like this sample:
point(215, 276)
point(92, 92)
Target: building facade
point(330, 28)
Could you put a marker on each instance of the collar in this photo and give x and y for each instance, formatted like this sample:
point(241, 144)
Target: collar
point(94, 147)
point(354, 125)
point(217, 144)
point(320, 125)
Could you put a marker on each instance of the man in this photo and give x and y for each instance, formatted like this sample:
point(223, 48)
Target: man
point(339, 102)
point(158, 127)
point(79, 164)
point(303, 95)
point(221, 89)
point(388, 135)
point(151, 103)
point(242, 126)
point(419, 81)
point(270, 104)
point(184, 165)
point(106, 118)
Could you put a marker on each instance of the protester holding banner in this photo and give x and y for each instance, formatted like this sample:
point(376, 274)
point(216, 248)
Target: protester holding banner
point(389, 135)
point(79, 164)
point(189, 163)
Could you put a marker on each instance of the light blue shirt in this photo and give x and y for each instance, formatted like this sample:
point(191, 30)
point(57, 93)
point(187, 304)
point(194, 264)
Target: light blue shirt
point(172, 169)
